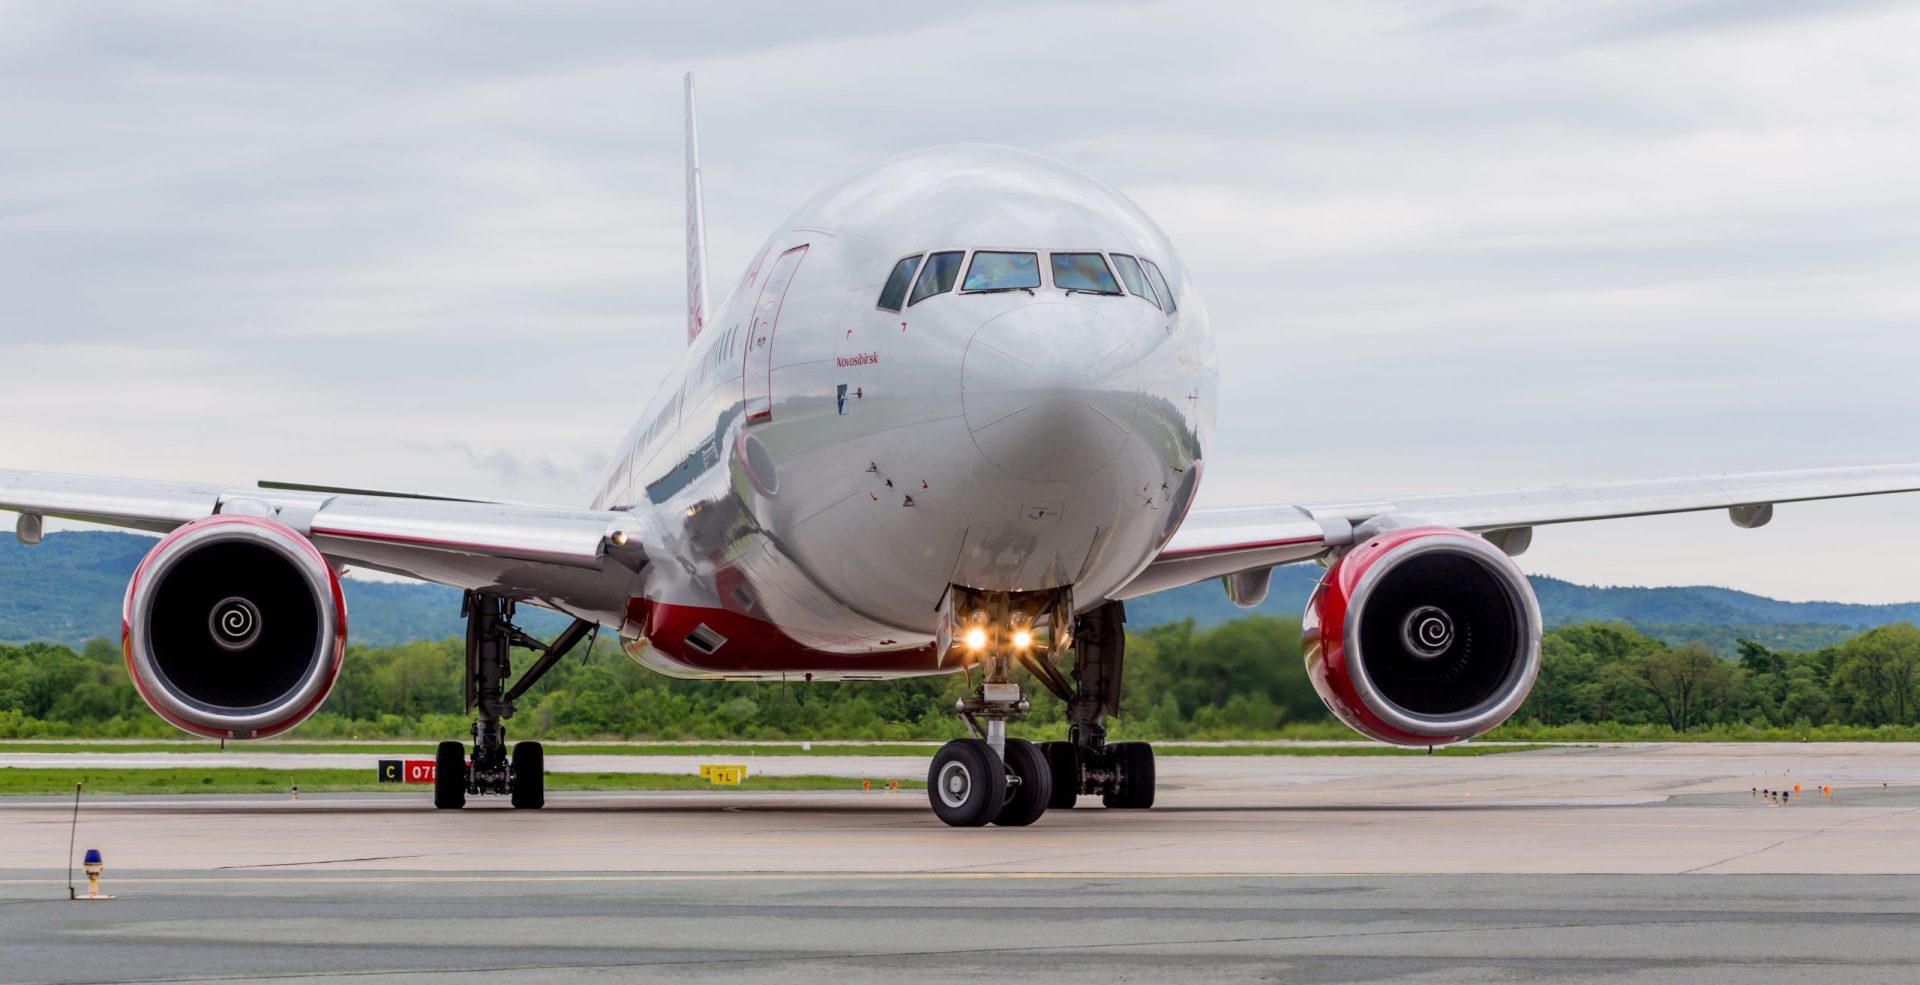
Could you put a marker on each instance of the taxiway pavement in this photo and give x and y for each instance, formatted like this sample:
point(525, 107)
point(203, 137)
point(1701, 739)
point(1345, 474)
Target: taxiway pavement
point(1681, 808)
point(475, 927)
point(1625, 864)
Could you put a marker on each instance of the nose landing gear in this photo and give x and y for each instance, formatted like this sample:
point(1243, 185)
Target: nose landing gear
point(993, 779)
point(969, 786)
point(990, 778)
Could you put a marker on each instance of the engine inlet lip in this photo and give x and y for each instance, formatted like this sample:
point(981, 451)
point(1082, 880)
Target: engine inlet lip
point(1513, 691)
point(164, 694)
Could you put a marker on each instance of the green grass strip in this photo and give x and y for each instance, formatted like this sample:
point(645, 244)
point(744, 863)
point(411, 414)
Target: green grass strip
point(1176, 749)
point(416, 749)
point(412, 750)
point(23, 781)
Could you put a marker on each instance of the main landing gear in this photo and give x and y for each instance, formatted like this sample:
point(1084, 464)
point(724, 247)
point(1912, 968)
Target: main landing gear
point(1011, 782)
point(521, 774)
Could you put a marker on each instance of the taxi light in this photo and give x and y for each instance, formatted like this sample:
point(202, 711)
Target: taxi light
point(976, 638)
point(1022, 639)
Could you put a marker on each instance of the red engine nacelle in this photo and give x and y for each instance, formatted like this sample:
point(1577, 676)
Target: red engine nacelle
point(234, 628)
point(1423, 636)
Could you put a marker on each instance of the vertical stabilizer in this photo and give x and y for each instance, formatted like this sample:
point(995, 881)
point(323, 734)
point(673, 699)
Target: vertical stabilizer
point(697, 308)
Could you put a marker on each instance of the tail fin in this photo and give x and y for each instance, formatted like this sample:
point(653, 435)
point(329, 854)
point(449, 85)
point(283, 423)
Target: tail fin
point(697, 309)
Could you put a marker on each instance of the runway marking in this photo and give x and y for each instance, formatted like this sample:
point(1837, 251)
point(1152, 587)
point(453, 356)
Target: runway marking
point(1800, 837)
point(321, 861)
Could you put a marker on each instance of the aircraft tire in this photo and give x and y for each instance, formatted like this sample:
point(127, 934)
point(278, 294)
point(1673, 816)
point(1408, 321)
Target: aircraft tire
point(1028, 799)
point(967, 784)
point(529, 776)
point(1063, 761)
point(1134, 780)
point(450, 776)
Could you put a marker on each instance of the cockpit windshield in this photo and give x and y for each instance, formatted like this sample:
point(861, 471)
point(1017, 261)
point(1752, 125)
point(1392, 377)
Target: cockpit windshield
point(998, 271)
point(937, 276)
point(1160, 286)
point(1083, 272)
point(1135, 280)
point(895, 291)
point(916, 278)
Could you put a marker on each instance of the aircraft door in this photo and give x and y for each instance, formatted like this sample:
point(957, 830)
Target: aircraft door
point(758, 377)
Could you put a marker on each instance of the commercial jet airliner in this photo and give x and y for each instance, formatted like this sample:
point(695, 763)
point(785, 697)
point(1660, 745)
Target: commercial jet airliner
point(953, 415)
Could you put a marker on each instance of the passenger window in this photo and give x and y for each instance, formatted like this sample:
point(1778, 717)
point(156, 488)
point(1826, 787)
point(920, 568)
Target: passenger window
point(895, 293)
point(992, 271)
point(1083, 272)
point(1136, 281)
point(1160, 285)
point(936, 277)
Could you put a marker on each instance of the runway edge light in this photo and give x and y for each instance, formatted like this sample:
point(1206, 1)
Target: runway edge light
point(93, 863)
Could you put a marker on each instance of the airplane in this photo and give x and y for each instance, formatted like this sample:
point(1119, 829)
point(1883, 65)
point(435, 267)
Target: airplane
point(954, 414)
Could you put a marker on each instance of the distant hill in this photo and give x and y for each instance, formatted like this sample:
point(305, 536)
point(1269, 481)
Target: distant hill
point(69, 589)
point(1717, 617)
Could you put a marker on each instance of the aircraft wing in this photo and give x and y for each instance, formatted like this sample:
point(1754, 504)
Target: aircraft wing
point(1221, 542)
point(578, 561)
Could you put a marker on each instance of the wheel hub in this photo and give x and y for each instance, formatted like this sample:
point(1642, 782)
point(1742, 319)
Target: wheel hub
point(956, 784)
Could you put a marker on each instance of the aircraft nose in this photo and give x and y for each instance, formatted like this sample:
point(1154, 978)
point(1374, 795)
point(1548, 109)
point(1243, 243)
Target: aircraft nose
point(1049, 390)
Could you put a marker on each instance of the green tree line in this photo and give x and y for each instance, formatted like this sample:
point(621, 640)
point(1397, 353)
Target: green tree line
point(1241, 679)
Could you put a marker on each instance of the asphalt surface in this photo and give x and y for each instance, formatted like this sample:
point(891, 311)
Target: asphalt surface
point(1661, 809)
point(780, 929)
point(1643, 864)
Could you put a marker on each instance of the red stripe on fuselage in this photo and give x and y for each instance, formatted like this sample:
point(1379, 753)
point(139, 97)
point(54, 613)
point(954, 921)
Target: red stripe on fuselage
point(755, 647)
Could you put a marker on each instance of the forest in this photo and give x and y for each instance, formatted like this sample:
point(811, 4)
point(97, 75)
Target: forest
point(1238, 680)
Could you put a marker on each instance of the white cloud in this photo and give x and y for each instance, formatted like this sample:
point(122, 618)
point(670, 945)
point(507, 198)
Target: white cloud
point(1445, 247)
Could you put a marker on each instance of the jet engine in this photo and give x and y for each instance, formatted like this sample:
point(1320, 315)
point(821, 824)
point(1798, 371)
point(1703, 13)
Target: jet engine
point(1423, 636)
point(234, 627)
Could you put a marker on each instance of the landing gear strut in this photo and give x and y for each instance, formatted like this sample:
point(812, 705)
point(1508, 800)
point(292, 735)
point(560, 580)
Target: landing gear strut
point(1122, 774)
point(521, 774)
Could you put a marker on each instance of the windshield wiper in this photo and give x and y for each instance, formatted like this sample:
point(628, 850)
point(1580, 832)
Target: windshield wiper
point(999, 290)
point(1081, 290)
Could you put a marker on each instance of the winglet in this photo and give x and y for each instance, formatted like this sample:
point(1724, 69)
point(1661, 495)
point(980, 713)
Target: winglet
point(697, 309)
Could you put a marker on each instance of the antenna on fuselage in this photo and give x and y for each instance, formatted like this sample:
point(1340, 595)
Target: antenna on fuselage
point(697, 309)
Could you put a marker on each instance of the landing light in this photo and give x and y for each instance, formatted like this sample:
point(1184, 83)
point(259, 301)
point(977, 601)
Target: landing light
point(1022, 639)
point(976, 638)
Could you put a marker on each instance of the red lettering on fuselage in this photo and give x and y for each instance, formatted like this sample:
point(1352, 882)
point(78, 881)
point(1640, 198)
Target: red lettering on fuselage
point(863, 359)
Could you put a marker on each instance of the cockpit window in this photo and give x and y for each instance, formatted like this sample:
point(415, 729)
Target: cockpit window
point(892, 295)
point(1136, 281)
point(994, 271)
point(1083, 272)
point(1160, 285)
point(937, 276)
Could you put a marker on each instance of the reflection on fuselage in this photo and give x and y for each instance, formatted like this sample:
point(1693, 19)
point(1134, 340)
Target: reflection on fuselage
point(835, 450)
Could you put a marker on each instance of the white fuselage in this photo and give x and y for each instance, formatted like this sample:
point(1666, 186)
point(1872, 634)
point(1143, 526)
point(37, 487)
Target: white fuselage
point(819, 468)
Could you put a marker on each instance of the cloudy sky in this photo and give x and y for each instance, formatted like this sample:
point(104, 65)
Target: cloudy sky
point(1446, 247)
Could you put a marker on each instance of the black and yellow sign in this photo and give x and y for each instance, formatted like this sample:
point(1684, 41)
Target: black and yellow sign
point(728, 774)
point(390, 771)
